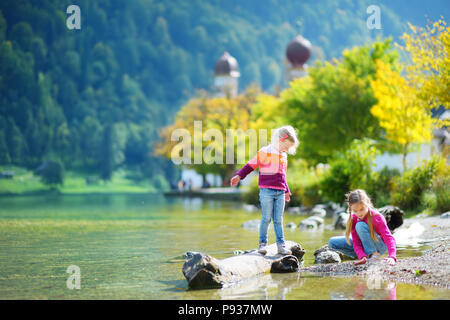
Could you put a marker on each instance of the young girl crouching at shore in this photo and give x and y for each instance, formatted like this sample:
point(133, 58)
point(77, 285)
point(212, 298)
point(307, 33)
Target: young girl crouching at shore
point(370, 235)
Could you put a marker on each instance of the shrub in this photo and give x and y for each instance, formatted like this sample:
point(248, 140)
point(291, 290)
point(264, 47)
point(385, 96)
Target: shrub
point(440, 187)
point(380, 187)
point(310, 194)
point(52, 173)
point(304, 184)
point(409, 189)
point(350, 170)
point(336, 183)
point(252, 195)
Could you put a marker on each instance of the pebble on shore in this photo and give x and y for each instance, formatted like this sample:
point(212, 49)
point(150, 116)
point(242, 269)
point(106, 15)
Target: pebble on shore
point(432, 268)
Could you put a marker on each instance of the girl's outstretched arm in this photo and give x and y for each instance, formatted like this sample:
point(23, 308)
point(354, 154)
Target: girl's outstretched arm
point(380, 226)
point(249, 167)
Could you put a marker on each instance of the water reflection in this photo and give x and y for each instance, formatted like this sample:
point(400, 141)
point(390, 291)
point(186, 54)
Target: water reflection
point(199, 204)
point(265, 287)
point(367, 289)
point(293, 286)
point(262, 287)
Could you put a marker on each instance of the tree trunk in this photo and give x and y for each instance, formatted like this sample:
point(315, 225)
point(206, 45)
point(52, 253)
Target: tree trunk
point(405, 153)
point(204, 271)
point(203, 178)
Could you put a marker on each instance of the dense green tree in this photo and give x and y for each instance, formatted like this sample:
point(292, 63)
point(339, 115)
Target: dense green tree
point(331, 106)
point(4, 152)
point(107, 160)
point(52, 173)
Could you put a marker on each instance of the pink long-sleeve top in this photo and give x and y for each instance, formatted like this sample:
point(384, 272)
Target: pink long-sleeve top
point(379, 226)
point(272, 166)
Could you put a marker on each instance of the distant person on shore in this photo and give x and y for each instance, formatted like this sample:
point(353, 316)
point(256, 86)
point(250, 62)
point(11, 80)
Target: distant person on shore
point(274, 190)
point(370, 235)
point(181, 185)
point(206, 184)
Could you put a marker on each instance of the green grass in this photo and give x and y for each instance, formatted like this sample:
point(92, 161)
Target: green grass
point(25, 182)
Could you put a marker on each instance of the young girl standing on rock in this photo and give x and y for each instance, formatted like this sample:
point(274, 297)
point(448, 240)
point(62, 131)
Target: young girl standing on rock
point(274, 190)
point(370, 235)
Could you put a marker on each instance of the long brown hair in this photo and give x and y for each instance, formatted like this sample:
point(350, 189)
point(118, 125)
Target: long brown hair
point(354, 197)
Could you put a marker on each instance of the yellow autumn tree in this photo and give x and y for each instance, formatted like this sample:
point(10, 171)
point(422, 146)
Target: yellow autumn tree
point(206, 125)
point(399, 110)
point(267, 113)
point(429, 68)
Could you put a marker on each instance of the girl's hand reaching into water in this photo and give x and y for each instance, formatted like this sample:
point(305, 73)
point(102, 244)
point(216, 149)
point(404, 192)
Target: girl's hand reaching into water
point(362, 261)
point(235, 180)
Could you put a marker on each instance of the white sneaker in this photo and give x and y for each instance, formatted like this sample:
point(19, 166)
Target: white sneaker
point(282, 249)
point(262, 248)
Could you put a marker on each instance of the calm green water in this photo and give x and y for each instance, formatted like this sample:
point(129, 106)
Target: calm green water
point(131, 247)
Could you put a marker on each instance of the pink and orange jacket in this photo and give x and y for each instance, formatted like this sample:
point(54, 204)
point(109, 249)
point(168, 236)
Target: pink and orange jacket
point(380, 227)
point(272, 168)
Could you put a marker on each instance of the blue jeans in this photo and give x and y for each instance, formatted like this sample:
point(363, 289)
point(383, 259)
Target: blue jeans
point(272, 206)
point(369, 246)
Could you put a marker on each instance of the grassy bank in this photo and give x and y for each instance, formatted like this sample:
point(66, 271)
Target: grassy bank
point(25, 182)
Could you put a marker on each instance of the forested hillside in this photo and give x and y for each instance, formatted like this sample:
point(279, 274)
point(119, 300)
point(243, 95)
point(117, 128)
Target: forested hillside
point(94, 98)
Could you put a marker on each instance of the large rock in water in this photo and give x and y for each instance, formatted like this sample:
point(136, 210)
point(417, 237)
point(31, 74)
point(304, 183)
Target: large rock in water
point(393, 216)
point(302, 210)
point(319, 211)
point(445, 215)
point(327, 255)
point(341, 220)
point(312, 223)
point(251, 224)
point(204, 271)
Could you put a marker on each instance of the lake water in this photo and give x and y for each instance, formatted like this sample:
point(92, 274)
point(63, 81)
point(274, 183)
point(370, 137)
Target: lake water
point(131, 247)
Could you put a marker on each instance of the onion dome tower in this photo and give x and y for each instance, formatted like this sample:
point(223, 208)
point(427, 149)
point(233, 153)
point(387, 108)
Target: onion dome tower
point(226, 74)
point(298, 52)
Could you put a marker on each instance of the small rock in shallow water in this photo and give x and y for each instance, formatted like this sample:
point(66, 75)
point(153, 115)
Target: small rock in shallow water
point(334, 208)
point(293, 210)
point(445, 215)
point(308, 225)
point(189, 254)
point(291, 225)
point(318, 219)
point(311, 223)
point(298, 210)
point(319, 213)
point(393, 215)
point(327, 248)
point(341, 220)
point(252, 224)
point(250, 208)
point(319, 210)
